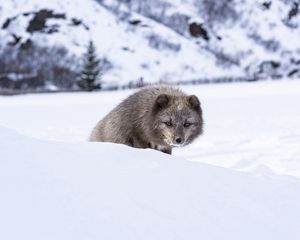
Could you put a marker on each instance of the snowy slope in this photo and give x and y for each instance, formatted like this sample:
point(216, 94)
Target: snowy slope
point(264, 35)
point(259, 39)
point(52, 190)
point(150, 51)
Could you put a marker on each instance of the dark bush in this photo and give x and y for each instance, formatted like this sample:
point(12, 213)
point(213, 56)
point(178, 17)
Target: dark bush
point(37, 67)
point(217, 11)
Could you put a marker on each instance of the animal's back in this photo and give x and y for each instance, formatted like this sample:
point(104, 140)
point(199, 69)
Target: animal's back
point(129, 116)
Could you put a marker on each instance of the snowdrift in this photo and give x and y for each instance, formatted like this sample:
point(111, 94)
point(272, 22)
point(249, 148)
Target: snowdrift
point(56, 190)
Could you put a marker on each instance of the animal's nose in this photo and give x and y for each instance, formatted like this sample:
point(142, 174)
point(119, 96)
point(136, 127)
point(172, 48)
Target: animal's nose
point(178, 140)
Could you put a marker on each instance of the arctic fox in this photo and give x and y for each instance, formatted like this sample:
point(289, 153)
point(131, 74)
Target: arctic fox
point(157, 117)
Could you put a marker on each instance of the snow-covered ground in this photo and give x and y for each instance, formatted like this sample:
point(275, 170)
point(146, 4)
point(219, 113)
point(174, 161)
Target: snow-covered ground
point(252, 127)
point(248, 126)
point(56, 185)
point(63, 191)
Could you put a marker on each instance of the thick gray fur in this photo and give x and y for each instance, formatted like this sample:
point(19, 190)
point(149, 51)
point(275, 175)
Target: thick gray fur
point(155, 117)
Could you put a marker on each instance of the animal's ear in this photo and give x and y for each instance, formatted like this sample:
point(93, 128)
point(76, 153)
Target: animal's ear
point(162, 101)
point(194, 102)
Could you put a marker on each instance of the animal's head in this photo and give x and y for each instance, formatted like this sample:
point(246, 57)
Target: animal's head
point(176, 120)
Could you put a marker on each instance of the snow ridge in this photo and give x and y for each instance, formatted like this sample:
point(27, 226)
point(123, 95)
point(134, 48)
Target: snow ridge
point(108, 191)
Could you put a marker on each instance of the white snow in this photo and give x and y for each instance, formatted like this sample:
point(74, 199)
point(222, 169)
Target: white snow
point(250, 127)
point(255, 125)
point(52, 190)
point(56, 185)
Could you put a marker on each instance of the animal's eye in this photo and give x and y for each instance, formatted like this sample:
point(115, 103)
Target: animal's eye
point(187, 124)
point(169, 123)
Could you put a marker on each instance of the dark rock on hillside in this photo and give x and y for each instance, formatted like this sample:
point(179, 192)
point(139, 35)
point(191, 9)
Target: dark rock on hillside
point(197, 30)
point(6, 23)
point(294, 73)
point(78, 22)
point(294, 10)
point(267, 5)
point(16, 40)
point(38, 23)
point(135, 22)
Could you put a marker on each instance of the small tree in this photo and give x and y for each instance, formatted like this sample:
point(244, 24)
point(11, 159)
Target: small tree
point(91, 70)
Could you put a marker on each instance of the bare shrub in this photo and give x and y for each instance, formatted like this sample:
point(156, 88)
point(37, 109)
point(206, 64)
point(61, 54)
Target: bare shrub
point(216, 11)
point(38, 66)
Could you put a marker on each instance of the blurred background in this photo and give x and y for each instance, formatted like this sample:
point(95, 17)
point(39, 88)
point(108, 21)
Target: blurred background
point(117, 44)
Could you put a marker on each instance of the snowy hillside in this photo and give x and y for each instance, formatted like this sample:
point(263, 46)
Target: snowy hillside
point(150, 50)
point(159, 40)
point(52, 190)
